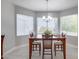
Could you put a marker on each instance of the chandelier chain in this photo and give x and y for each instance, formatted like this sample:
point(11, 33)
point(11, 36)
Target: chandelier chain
point(47, 7)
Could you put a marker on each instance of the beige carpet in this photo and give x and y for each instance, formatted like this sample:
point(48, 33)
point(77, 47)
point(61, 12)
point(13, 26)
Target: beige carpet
point(23, 53)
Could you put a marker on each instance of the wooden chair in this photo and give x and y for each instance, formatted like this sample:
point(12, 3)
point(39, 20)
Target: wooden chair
point(36, 45)
point(2, 39)
point(47, 45)
point(58, 45)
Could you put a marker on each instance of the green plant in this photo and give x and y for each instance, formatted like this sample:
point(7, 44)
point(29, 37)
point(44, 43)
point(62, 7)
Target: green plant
point(47, 32)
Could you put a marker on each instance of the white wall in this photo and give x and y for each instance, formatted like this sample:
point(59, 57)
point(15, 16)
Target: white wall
point(50, 13)
point(8, 24)
point(73, 40)
point(69, 11)
point(22, 40)
point(23, 11)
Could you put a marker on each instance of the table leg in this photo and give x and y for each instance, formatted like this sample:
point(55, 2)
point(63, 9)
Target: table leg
point(64, 48)
point(30, 48)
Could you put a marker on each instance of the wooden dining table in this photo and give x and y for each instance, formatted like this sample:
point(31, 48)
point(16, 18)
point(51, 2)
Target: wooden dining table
point(39, 38)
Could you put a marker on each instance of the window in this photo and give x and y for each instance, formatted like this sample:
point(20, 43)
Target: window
point(69, 24)
point(24, 24)
point(42, 25)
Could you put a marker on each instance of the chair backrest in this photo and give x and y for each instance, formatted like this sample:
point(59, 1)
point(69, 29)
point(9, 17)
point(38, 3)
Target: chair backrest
point(63, 35)
point(31, 34)
point(47, 41)
point(59, 35)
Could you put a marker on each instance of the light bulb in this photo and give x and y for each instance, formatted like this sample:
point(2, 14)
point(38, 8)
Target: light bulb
point(44, 17)
point(49, 17)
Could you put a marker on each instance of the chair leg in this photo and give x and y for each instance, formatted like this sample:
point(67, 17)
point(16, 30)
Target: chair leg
point(62, 47)
point(33, 47)
point(1, 57)
point(36, 47)
point(55, 49)
point(43, 54)
point(51, 54)
point(58, 46)
point(63, 50)
point(39, 49)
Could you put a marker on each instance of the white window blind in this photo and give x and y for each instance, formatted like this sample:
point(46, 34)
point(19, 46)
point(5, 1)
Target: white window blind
point(24, 24)
point(42, 25)
point(69, 24)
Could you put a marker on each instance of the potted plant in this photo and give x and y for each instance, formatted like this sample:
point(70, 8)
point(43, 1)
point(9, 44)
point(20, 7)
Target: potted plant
point(47, 32)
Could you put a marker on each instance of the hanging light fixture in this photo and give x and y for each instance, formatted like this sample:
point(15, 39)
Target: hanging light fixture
point(47, 17)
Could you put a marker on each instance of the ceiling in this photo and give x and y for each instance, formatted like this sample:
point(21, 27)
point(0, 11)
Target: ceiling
point(41, 5)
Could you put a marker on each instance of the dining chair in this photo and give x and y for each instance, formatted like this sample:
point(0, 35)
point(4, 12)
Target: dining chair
point(36, 45)
point(58, 45)
point(47, 45)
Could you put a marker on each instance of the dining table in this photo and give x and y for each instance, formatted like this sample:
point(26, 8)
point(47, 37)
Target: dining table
point(39, 38)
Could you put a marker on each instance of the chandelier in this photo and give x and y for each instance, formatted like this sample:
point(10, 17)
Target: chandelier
point(47, 17)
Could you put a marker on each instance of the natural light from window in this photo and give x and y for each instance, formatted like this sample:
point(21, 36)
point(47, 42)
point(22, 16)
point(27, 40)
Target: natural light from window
point(42, 25)
point(69, 24)
point(24, 24)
